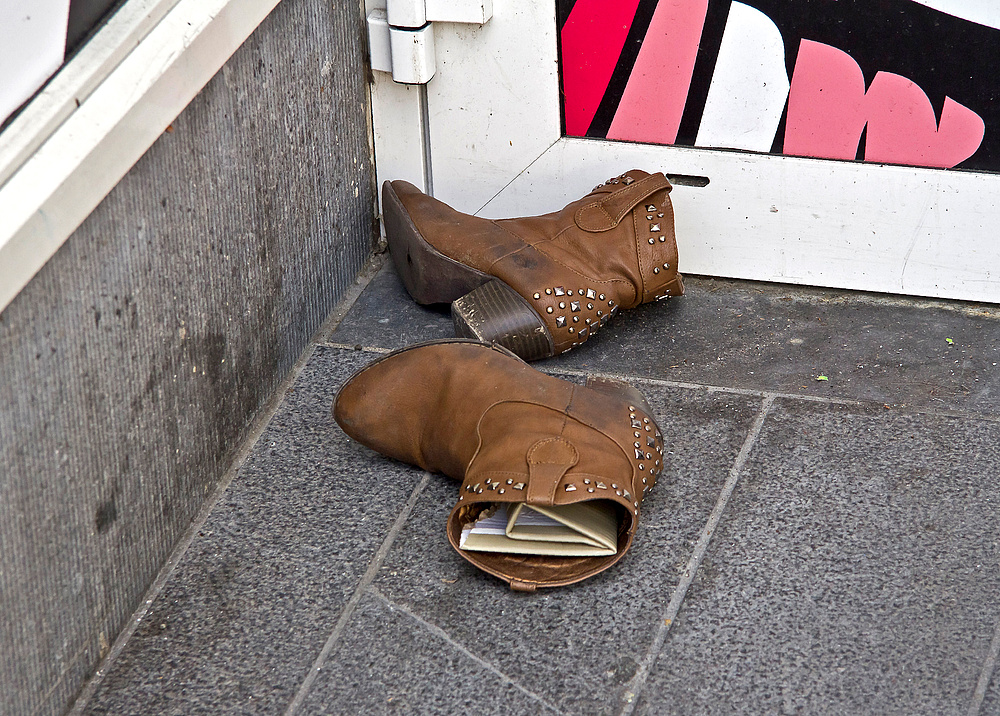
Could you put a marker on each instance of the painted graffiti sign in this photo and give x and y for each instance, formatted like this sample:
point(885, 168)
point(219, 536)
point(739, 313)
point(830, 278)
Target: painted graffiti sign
point(912, 82)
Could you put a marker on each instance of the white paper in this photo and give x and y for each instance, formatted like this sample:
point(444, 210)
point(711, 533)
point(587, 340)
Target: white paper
point(496, 524)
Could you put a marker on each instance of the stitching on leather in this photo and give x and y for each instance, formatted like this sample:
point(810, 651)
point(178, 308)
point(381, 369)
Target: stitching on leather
point(538, 247)
point(479, 423)
point(576, 474)
point(569, 404)
point(560, 439)
point(638, 252)
point(495, 472)
point(525, 244)
point(652, 180)
point(588, 278)
point(529, 246)
point(611, 220)
point(599, 204)
point(601, 431)
point(550, 257)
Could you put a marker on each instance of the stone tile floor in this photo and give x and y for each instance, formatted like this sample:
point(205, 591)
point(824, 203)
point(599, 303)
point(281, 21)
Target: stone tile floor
point(814, 546)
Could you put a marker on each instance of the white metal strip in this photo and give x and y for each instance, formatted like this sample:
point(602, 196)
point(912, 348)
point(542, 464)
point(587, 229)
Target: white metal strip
point(74, 82)
point(32, 43)
point(69, 174)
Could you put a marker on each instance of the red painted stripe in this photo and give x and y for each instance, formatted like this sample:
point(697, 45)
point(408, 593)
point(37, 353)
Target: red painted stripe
point(657, 89)
point(592, 42)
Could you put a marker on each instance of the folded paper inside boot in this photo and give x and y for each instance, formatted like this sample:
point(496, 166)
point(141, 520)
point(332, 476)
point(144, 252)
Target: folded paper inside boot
point(584, 529)
point(539, 570)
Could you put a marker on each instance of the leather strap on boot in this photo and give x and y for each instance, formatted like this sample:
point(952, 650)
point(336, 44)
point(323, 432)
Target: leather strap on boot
point(605, 213)
point(548, 461)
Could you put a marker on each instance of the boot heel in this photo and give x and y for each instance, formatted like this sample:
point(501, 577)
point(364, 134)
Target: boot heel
point(496, 313)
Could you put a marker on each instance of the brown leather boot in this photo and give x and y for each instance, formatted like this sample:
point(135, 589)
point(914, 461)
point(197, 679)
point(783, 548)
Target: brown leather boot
point(539, 285)
point(479, 414)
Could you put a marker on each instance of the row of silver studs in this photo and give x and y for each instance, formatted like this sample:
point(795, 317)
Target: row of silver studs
point(654, 216)
point(621, 179)
point(643, 426)
point(493, 485)
point(593, 486)
point(563, 321)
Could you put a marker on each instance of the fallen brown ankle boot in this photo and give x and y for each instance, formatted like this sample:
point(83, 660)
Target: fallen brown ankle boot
point(479, 414)
point(539, 285)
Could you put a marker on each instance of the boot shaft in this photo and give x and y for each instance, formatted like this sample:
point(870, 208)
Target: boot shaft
point(619, 240)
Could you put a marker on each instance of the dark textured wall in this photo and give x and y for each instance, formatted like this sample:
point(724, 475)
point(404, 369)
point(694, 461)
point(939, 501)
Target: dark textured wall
point(132, 365)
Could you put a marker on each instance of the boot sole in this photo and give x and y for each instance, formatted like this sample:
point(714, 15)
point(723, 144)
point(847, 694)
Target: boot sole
point(484, 308)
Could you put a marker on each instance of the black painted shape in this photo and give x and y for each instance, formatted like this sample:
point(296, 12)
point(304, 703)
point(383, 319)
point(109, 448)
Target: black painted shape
point(84, 17)
point(605, 113)
point(704, 70)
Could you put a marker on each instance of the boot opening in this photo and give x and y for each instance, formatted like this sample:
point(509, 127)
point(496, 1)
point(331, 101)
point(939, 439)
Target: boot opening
point(540, 570)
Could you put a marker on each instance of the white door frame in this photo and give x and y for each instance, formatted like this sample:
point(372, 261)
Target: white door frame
point(491, 116)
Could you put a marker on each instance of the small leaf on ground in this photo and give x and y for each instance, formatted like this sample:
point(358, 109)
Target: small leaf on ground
point(822, 377)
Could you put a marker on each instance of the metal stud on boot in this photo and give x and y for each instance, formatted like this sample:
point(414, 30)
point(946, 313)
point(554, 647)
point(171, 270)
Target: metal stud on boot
point(540, 285)
point(510, 434)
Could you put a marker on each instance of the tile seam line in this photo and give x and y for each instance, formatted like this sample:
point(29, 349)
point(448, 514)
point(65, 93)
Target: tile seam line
point(365, 275)
point(638, 682)
point(712, 388)
point(249, 442)
point(442, 634)
point(989, 667)
point(376, 563)
point(260, 424)
point(639, 379)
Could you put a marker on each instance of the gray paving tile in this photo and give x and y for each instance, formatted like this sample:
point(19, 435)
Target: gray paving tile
point(857, 571)
point(389, 663)
point(782, 338)
point(759, 336)
point(991, 702)
point(577, 646)
point(385, 316)
point(254, 598)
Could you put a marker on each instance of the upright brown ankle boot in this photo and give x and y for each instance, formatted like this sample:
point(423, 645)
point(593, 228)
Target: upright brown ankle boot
point(539, 285)
point(479, 414)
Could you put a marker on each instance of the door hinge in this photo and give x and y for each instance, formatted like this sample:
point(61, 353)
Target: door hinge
point(401, 37)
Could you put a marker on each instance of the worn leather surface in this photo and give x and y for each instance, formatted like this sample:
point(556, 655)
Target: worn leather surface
point(617, 242)
point(481, 415)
